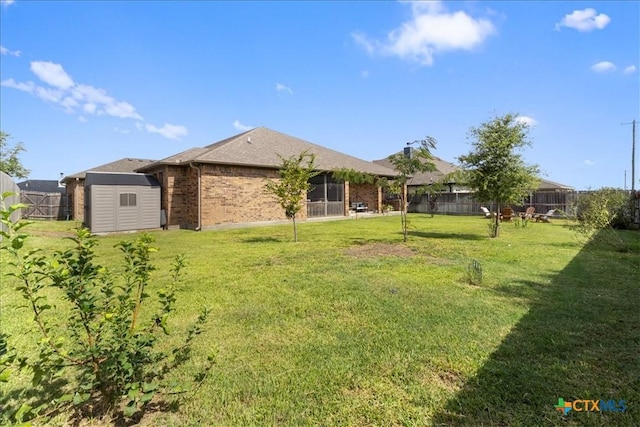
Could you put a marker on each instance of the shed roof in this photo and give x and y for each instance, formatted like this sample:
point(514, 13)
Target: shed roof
point(261, 147)
point(41, 186)
point(138, 179)
point(123, 165)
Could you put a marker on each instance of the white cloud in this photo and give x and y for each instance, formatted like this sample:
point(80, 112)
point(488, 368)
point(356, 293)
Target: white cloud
point(430, 31)
point(282, 88)
point(7, 3)
point(240, 126)
point(631, 69)
point(46, 94)
point(529, 121)
point(5, 51)
point(81, 99)
point(168, 130)
point(52, 74)
point(584, 20)
point(82, 119)
point(603, 67)
point(588, 162)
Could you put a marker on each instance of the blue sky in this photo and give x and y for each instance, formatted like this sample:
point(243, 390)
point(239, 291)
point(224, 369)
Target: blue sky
point(87, 83)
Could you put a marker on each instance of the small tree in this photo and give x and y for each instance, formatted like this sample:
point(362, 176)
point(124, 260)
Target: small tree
point(493, 169)
point(420, 160)
point(292, 187)
point(9, 161)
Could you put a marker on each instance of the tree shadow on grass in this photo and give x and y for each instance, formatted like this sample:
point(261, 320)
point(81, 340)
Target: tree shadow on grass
point(262, 240)
point(579, 340)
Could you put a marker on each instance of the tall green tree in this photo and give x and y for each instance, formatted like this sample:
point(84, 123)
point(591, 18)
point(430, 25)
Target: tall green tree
point(9, 160)
point(406, 166)
point(292, 187)
point(494, 169)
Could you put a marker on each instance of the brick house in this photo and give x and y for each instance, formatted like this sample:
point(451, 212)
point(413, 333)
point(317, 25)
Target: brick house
point(224, 183)
point(75, 183)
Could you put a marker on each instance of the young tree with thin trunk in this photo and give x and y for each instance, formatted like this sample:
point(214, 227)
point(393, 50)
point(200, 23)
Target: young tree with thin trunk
point(292, 187)
point(418, 160)
point(494, 169)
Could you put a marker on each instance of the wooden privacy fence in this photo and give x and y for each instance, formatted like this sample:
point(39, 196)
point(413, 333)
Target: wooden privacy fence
point(464, 204)
point(52, 206)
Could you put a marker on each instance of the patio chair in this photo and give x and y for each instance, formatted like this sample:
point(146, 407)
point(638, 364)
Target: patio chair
point(506, 214)
point(529, 213)
point(487, 212)
point(545, 217)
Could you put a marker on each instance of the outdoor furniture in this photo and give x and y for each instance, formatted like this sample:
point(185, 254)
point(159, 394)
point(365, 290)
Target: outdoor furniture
point(506, 214)
point(529, 213)
point(545, 217)
point(359, 207)
point(487, 212)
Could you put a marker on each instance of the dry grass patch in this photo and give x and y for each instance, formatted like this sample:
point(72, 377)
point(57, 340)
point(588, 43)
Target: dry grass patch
point(377, 250)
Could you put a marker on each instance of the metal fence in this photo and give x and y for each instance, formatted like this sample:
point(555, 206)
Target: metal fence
point(51, 206)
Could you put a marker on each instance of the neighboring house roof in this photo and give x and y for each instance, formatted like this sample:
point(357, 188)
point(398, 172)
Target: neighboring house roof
point(443, 168)
point(120, 178)
point(261, 147)
point(550, 185)
point(122, 165)
point(41, 186)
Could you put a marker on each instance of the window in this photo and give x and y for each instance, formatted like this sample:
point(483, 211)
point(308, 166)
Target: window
point(325, 188)
point(127, 199)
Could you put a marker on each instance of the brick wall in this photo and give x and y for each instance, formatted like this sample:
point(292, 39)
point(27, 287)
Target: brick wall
point(236, 194)
point(367, 193)
point(229, 195)
point(76, 189)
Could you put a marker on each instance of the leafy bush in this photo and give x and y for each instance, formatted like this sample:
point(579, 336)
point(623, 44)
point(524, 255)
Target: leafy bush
point(600, 211)
point(101, 358)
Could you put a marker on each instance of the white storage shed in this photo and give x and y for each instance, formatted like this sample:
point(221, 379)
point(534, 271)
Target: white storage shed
point(121, 202)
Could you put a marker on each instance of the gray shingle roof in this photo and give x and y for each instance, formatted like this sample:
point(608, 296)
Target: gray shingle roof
point(261, 147)
point(442, 169)
point(41, 186)
point(122, 165)
point(545, 184)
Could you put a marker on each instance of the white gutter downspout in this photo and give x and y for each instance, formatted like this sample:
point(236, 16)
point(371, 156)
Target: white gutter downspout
point(199, 227)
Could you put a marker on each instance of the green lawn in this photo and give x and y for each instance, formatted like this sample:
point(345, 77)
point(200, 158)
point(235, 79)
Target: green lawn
point(350, 326)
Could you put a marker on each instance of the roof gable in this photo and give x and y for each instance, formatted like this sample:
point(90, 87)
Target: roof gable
point(262, 147)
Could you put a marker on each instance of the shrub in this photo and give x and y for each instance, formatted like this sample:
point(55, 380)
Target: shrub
point(600, 211)
point(103, 350)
